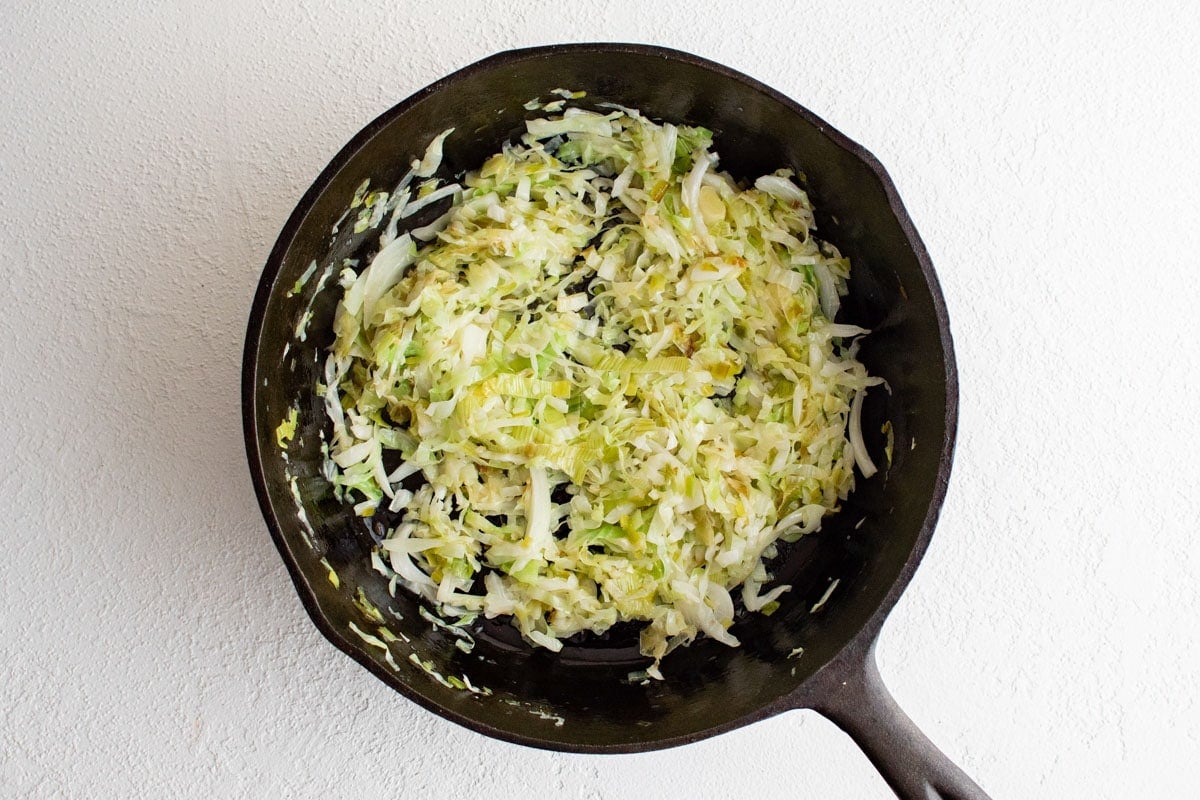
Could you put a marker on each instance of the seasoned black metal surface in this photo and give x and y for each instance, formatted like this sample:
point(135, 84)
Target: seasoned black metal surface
point(580, 699)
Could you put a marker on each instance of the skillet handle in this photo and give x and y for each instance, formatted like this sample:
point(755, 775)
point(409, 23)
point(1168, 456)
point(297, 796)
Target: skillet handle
point(859, 703)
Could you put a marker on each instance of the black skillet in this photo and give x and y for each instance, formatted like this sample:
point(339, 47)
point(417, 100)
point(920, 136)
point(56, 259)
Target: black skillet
point(582, 699)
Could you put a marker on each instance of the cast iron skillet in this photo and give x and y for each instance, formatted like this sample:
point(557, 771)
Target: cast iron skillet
point(582, 698)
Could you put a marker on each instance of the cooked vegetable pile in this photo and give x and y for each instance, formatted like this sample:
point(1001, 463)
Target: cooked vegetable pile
point(616, 372)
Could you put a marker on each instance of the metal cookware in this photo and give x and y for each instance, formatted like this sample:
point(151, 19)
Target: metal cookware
point(582, 698)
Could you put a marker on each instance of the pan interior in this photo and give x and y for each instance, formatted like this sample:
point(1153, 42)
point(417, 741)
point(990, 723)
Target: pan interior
point(582, 698)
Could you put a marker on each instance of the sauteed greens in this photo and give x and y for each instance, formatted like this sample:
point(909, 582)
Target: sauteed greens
point(615, 371)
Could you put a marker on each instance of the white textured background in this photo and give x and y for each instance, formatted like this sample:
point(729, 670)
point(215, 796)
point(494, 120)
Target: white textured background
point(150, 642)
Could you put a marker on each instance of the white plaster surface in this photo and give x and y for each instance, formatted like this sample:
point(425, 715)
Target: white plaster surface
point(150, 642)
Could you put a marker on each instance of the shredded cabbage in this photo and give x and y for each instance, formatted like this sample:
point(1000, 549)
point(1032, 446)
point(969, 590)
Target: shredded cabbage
point(616, 372)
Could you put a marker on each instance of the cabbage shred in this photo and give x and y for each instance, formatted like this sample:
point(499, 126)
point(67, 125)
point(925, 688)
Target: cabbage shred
point(614, 370)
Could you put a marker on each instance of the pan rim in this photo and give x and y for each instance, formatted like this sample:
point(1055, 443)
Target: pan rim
point(860, 642)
